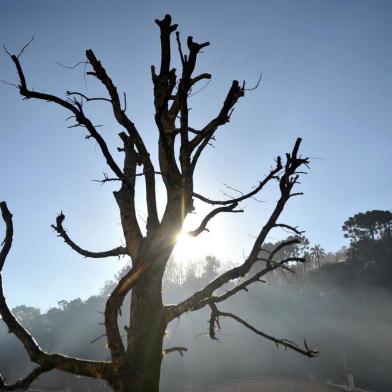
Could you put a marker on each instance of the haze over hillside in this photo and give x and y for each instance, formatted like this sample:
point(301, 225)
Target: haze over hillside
point(338, 302)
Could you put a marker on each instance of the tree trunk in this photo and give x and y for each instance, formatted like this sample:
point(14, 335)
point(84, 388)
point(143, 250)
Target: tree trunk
point(145, 337)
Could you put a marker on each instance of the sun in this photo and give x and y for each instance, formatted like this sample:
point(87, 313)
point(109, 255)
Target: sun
point(190, 249)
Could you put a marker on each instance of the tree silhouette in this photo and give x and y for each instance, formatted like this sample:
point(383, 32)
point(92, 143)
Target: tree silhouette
point(369, 225)
point(135, 361)
point(317, 253)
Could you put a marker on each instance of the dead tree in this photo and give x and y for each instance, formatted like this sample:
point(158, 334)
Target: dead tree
point(135, 361)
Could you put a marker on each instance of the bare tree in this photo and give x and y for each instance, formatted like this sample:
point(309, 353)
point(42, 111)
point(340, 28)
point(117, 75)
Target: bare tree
point(135, 361)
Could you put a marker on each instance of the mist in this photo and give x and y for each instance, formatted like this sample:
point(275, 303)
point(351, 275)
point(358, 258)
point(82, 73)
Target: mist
point(339, 304)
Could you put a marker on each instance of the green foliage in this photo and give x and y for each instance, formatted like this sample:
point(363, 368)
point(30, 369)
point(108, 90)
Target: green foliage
point(371, 225)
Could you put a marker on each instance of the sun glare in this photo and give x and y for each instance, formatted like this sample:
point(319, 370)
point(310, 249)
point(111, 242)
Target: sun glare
point(187, 247)
point(190, 249)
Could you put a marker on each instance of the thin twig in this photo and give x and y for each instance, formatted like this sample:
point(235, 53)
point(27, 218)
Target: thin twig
point(257, 84)
point(24, 47)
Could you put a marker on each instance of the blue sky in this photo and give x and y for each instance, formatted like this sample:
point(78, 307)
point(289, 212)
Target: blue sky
point(327, 77)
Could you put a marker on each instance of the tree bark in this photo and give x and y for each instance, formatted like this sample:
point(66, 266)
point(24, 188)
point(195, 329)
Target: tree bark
point(144, 336)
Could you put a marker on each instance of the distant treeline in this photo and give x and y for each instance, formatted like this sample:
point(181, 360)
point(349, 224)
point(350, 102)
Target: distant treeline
point(338, 301)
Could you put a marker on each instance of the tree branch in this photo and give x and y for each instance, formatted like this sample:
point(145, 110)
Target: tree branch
point(282, 245)
point(122, 119)
point(272, 175)
point(184, 89)
point(58, 227)
point(75, 108)
point(24, 47)
point(210, 215)
point(164, 84)
point(180, 350)
point(125, 198)
point(88, 99)
point(25, 382)
point(200, 77)
point(271, 266)
point(287, 344)
point(7, 242)
point(95, 369)
point(200, 141)
point(166, 29)
point(291, 228)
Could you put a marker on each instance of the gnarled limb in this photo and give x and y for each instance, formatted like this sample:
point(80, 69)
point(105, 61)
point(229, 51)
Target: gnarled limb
point(58, 227)
point(210, 215)
point(124, 197)
point(75, 108)
point(287, 344)
point(95, 369)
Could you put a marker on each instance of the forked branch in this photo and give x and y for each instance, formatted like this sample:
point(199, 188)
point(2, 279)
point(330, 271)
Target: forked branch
point(271, 265)
point(75, 108)
point(287, 344)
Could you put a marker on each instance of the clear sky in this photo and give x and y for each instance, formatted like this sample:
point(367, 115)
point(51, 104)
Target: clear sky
point(327, 77)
